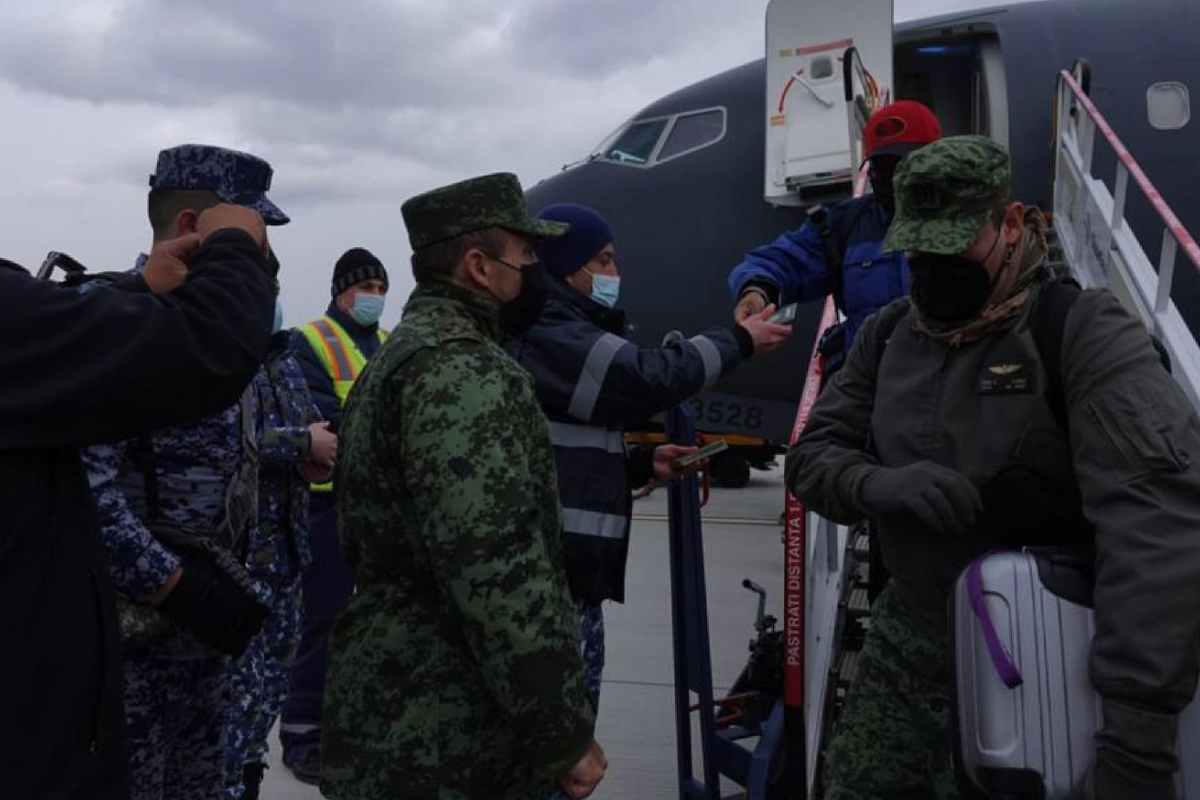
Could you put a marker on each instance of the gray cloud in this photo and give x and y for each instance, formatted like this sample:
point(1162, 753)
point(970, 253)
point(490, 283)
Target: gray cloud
point(368, 54)
point(357, 105)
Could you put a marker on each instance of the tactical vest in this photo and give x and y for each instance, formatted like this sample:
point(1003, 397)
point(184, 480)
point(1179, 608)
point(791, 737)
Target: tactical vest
point(340, 356)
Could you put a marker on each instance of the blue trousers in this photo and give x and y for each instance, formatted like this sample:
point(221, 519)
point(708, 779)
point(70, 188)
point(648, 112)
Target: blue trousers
point(176, 710)
point(326, 588)
point(259, 683)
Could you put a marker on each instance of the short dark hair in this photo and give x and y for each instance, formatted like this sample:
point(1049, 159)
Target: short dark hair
point(164, 205)
point(439, 260)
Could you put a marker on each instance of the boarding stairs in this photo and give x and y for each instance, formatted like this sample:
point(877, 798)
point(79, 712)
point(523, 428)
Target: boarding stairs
point(1091, 242)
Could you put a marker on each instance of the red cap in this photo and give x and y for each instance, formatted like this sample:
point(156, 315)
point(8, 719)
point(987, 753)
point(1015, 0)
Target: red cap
point(900, 128)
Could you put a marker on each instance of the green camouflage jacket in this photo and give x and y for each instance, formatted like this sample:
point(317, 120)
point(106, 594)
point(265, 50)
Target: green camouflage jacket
point(454, 671)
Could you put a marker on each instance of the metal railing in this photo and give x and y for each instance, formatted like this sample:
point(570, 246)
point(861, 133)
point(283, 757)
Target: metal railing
point(1098, 244)
point(806, 675)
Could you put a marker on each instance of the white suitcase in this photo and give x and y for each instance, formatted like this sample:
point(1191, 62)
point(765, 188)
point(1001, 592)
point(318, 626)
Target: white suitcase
point(1024, 714)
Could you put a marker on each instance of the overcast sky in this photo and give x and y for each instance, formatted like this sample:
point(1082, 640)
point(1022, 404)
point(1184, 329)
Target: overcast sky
point(358, 105)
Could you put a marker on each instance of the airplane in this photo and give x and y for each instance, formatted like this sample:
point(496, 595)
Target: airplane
point(682, 180)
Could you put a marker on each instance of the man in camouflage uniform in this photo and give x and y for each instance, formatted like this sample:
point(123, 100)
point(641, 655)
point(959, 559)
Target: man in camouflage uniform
point(953, 427)
point(202, 476)
point(295, 448)
point(454, 671)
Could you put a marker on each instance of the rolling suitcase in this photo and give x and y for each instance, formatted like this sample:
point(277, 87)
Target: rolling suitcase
point(1023, 712)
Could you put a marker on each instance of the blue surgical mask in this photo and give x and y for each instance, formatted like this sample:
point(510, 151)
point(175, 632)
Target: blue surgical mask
point(277, 326)
point(368, 308)
point(606, 289)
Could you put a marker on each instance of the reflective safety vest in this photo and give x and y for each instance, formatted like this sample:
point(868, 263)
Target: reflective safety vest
point(340, 356)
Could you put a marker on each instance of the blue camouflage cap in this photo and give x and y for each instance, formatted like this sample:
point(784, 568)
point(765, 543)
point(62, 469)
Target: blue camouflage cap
point(236, 177)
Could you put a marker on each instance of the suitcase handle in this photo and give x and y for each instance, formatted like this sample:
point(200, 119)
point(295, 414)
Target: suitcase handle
point(1001, 659)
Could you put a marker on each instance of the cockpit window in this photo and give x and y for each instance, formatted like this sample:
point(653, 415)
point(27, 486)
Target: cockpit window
point(635, 145)
point(649, 142)
point(693, 131)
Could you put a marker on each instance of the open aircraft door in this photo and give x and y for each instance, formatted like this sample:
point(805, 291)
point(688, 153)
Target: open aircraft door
point(809, 147)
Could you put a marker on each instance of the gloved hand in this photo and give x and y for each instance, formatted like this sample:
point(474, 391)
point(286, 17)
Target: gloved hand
point(1109, 780)
point(939, 497)
point(215, 608)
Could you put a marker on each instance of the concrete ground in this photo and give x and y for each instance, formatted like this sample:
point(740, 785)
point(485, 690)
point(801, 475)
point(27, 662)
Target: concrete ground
point(636, 724)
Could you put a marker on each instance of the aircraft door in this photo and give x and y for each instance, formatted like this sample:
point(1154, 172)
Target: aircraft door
point(808, 140)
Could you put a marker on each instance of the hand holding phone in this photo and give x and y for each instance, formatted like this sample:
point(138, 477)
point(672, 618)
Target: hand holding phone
point(785, 315)
point(709, 450)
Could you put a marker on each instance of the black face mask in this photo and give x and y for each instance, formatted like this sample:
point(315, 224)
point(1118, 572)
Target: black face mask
point(949, 289)
point(522, 311)
point(882, 189)
point(883, 169)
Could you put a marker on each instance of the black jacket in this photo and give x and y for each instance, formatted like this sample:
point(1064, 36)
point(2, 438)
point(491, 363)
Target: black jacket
point(592, 382)
point(77, 369)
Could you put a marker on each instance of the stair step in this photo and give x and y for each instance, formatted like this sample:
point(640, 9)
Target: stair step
point(847, 666)
point(858, 604)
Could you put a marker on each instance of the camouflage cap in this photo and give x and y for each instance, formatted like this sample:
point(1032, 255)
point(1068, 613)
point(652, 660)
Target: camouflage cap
point(235, 176)
point(946, 192)
point(489, 201)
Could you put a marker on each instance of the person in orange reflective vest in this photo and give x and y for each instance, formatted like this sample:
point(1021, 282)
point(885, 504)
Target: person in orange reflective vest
point(339, 344)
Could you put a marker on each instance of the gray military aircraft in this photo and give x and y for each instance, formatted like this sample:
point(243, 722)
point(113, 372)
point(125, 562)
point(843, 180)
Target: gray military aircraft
point(682, 180)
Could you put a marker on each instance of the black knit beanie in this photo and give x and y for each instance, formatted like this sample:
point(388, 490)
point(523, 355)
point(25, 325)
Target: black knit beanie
point(355, 266)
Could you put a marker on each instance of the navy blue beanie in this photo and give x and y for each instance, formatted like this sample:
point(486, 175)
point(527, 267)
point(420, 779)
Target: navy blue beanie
point(590, 233)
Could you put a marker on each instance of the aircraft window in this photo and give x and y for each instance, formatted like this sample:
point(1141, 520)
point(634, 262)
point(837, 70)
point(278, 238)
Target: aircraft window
point(636, 143)
point(1168, 105)
point(693, 131)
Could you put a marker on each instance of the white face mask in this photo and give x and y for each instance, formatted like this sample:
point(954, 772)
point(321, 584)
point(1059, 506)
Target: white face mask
point(606, 289)
point(367, 309)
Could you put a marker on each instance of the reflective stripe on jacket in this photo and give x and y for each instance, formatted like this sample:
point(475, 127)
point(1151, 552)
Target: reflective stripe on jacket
point(592, 383)
point(340, 357)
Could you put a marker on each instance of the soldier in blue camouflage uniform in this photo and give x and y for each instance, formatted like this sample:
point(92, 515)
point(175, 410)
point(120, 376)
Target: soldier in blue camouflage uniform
point(177, 681)
point(292, 445)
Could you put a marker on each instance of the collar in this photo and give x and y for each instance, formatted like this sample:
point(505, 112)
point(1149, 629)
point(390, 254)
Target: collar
point(347, 322)
point(598, 314)
point(483, 312)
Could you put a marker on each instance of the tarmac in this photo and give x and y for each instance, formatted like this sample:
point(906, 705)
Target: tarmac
point(636, 725)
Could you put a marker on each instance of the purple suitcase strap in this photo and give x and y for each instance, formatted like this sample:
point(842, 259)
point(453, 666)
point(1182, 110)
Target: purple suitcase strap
point(1001, 659)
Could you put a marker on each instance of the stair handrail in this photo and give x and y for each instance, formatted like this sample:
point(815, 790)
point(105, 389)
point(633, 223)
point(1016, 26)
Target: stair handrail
point(1097, 241)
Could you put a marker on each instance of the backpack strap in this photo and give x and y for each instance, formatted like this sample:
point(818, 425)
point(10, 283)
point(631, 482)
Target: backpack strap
point(834, 225)
point(241, 494)
point(820, 217)
point(1049, 325)
point(889, 318)
point(142, 457)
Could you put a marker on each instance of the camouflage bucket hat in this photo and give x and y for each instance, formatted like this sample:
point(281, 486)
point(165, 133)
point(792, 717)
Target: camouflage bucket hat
point(236, 177)
point(946, 192)
point(490, 201)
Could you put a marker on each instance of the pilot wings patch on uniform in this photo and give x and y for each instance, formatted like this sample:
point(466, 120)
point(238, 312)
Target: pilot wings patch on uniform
point(1006, 377)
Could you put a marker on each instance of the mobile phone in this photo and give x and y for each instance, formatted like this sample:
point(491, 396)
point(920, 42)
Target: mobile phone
point(710, 449)
point(785, 315)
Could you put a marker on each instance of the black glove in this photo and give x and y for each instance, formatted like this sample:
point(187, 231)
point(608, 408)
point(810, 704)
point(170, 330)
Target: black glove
point(939, 497)
point(1110, 780)
point(216, 609)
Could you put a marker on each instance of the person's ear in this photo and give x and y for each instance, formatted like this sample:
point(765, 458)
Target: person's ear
point(1013, 226)
point(476, 268)
point(185, 221)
